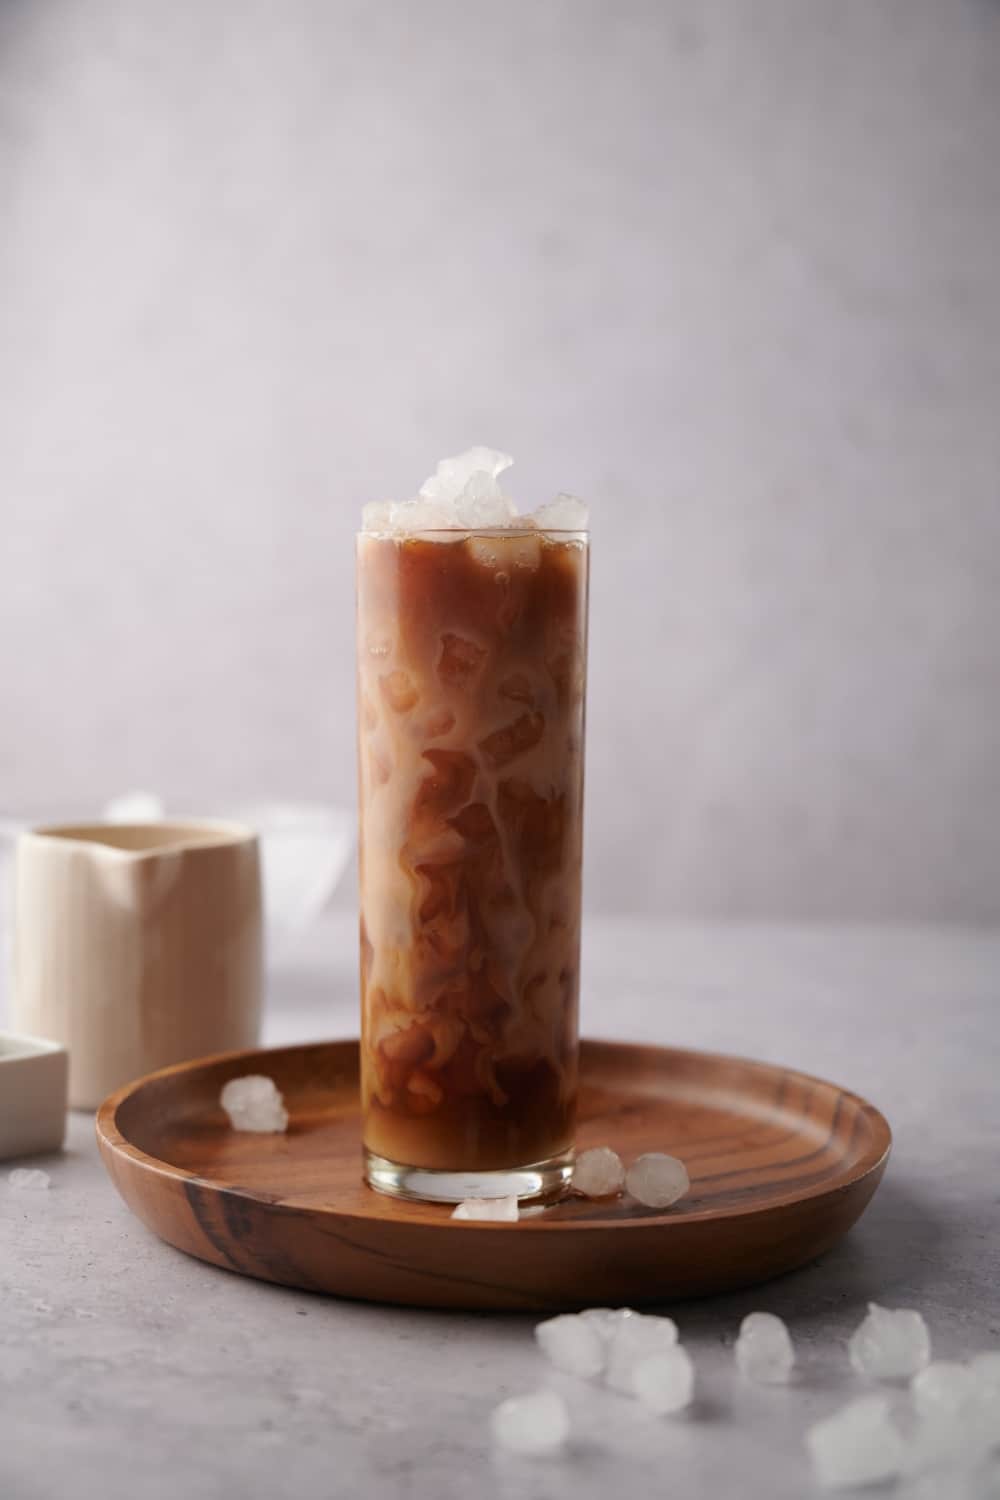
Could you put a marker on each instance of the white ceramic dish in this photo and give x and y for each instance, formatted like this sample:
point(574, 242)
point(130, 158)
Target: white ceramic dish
point(33, 1082)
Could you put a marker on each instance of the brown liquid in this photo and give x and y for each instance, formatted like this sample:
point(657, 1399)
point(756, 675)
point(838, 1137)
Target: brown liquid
point(471, 675)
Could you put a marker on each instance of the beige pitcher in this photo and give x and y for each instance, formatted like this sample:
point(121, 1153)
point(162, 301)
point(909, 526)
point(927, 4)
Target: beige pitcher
point(137, 946)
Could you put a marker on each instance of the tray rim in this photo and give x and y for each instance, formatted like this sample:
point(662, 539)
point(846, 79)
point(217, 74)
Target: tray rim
point(111, 1139)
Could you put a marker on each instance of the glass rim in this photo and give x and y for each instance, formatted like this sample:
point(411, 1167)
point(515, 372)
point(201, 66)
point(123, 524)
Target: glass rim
point(512, 531)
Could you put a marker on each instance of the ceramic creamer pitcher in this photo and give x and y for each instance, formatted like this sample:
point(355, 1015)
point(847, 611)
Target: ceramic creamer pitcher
point(137, 946)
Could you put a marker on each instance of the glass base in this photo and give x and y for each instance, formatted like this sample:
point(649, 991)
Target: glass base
point(541, 1179)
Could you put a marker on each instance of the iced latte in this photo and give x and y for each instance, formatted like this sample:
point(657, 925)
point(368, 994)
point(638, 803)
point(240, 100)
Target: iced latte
point(471, 679)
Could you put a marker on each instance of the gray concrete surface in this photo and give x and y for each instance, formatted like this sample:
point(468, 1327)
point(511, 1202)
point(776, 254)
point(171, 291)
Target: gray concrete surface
point(129, 1372)
point(728, 269)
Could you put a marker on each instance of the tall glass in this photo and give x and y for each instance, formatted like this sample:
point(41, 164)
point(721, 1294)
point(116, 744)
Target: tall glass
point(471, 691)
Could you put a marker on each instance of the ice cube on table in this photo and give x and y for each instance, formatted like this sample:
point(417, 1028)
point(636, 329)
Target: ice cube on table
point(572, 1344)
point(29, 1179)
point(254, 1103)
point(564, 513)
point(634, 1339)
point(953, 1424)
point(606, 1320)
point(890, 1343)
point(764, 1349)
point(664, 1382)
point(502, 1210)
point(858, 1445)
point(944, 1386)
point(598, 1172)
point(532, 1424)
point(657, 1180)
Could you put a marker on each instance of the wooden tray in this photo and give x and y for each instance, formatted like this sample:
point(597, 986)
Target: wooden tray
point(781, 1166)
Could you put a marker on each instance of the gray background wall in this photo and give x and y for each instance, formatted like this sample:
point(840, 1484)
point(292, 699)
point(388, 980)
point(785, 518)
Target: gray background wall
point(729, 270)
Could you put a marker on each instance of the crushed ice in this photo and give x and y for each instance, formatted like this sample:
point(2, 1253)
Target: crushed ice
point(503, 1210)
point(615, 1343)
point(564, 513)
point(28, 1179)
point(254, 1103)
point(464, 494)
point(948, 1434)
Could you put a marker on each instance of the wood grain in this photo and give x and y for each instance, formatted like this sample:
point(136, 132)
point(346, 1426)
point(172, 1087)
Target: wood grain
point(781, 1166)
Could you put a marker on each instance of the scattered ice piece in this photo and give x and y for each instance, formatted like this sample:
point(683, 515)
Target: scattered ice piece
point(598, 1173)
point(536, 1423)
point(890, 1344)
point(657, 1180)
point(959, 1406)
point(954, 1422)
point(858, 1445)
point(254, 1103)
point(572, 1344)
point(607, 1320)
point(943, 1387)
point(764, 1349)
point(634, 1339)
point(564, 513)
point(503, 1209)
point(29, 1179)
point(665, 1382)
